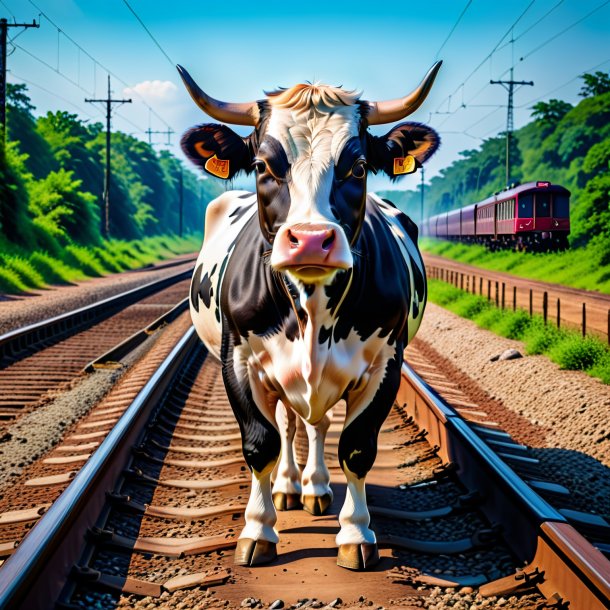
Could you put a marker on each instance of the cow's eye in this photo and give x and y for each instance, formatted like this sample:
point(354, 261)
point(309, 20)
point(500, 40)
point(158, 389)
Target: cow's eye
point(359, 169)
point(260, 166)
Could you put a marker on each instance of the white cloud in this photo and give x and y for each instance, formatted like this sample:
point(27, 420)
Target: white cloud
point(154, 90)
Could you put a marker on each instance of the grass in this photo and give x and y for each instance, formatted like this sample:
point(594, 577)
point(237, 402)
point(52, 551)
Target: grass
point(22, 272)
point(579, 267)
point(565, 347)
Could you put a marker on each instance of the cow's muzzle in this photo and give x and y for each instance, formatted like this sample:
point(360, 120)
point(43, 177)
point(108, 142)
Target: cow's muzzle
point(311, 251)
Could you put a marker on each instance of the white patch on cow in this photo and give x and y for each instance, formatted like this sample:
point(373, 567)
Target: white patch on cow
point(216, 252)
point(260, 512)
point(410, 254)
point(313, 141)
point(354, 517)
point(287, 475)
point(316, 477)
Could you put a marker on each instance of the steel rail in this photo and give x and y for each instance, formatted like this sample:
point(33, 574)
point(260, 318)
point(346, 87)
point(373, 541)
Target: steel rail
point(53, 546)
point(16, 343)
point(560, 561)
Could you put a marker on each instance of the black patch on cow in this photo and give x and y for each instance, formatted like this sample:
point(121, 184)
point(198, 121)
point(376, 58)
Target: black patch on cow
point(252, 295)
point(325, 335)
point(206, 291)
point(260, 440)
point(195, 287)
point(245, 196)
point(358, 442)
point(241, 211)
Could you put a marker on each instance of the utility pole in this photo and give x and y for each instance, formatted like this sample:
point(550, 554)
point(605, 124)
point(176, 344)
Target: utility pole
point(106, 212)
point(4, 26)
point(509, 85)
point(168, 132)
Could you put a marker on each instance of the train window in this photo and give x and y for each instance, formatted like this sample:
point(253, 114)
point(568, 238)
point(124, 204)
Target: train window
point(561, 206)
point(543, 205)
point(526, 205)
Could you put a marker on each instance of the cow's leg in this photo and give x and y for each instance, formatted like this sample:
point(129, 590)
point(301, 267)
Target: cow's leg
point(366, 412)
point(287, 484)
point(254, 410)
point(317, 495)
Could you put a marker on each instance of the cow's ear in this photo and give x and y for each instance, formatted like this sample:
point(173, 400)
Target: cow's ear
point(218, 150)
point(403, 149)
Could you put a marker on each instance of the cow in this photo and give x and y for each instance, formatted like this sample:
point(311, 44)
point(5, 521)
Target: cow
point(308, 290)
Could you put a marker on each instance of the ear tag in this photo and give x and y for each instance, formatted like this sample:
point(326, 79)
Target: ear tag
point(404, 165)
point(217, 167)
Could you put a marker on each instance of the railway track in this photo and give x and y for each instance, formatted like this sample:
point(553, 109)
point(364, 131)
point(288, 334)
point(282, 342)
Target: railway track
point(40, 360)
point(161, 499)
point(572, 307)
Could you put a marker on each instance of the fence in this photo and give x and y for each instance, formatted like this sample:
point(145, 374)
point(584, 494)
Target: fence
point(504, 295)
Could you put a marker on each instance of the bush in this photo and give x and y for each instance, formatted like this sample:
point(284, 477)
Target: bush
point(83, 259)
point(53, 270)
point(11, 282)
point(578, 353)
point(29, 274)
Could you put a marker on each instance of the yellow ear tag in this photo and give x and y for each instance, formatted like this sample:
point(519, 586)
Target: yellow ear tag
point(404, 165)
point(217, 167)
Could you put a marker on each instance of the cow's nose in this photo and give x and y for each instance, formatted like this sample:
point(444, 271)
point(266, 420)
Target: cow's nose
point(322, 246)
point(311, 240)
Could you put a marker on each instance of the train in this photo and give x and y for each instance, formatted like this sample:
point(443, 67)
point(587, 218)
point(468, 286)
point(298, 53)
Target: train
point(532, 217)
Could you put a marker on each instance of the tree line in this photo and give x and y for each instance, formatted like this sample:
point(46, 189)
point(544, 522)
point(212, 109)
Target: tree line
point(568, 145)
point(52, 177)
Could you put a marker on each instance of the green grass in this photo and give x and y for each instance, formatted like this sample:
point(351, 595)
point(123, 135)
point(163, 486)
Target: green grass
point(23, 271)
point(565, 347)
point(579, 267)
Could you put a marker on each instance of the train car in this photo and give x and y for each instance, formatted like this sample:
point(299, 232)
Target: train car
point(533, 217)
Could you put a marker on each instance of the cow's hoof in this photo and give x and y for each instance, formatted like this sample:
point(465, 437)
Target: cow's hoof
point(283, 501)
point(316, 505)
point(357, 556)
point(250, 552)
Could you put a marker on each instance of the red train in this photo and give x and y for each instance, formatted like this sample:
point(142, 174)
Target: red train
point(533, 217)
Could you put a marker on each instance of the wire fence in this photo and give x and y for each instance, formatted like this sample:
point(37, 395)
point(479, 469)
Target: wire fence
point(569, 313)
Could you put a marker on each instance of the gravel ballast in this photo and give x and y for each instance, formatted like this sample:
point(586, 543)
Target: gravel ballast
point(569, 409)
point(21, 310)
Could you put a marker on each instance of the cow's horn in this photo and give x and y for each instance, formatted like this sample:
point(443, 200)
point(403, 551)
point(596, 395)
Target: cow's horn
point(236, 114)
point(394, 110)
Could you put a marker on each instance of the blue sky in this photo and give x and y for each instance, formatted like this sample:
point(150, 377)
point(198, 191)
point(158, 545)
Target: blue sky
point(237, 50)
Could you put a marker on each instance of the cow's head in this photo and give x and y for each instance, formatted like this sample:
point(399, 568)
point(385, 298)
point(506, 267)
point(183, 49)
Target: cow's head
point(311, 152)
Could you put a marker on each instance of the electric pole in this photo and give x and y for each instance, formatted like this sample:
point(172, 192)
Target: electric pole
point(106, 211)
point(509, 85)
point(4, 26)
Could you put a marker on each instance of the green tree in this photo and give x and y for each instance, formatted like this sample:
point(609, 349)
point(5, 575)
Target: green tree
point(595, 84)
point(551, 112)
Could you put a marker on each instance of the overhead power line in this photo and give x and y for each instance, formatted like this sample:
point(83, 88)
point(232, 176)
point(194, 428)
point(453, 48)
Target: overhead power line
point(453, 29)
point(95, 63)
point(149, 33)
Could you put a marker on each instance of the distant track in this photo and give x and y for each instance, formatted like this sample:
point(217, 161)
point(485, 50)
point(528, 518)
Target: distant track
point(571, 299)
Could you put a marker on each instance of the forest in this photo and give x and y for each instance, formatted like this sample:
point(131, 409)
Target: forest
point(568, 145)
point(51, 192)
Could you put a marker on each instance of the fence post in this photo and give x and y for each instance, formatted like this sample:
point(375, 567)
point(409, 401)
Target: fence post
point(474, 284)
point(503, 294)
point(497, 295)
point(558, 313)
point(489, 290)
point(584, 319)
point(609, 327)
point(545, 306)
point(481, 286)
point(514, 298)
point(461, 281)
point(531, 303)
